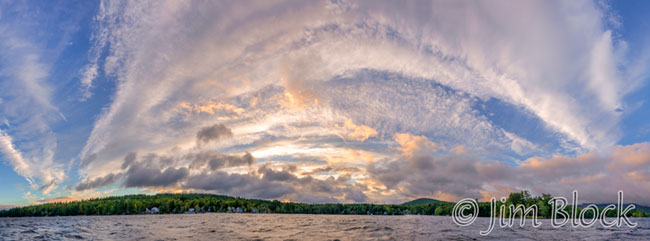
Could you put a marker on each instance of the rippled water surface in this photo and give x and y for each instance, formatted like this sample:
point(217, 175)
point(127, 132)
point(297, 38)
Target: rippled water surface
point(224, 226)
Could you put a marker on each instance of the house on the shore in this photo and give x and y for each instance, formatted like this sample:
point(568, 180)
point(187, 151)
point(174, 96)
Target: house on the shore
point(235, 210)
point(153, 210)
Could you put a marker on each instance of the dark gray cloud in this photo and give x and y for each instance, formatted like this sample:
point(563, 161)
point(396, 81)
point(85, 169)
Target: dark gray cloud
point(45, 186)
point(98, 182)
point(356, 196)
point(129, 159)
point(216, 160)
point(328, 169)
point(424, 175)
point(89, 159)
point(388, 172)
point(307, 197)
point(245, 185)
point(269, 183)
point(271, 175)
point(140, 175)
point(154, 170)
point(214, 132)
point(328, 190)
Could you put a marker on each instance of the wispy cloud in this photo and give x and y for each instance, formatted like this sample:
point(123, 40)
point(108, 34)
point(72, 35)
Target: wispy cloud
point(27, 140)
point(15, 157)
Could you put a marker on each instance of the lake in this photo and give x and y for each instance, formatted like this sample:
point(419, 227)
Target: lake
point(216, 226)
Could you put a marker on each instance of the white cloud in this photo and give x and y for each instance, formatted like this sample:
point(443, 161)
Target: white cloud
point(16, 159)
point(88, 74)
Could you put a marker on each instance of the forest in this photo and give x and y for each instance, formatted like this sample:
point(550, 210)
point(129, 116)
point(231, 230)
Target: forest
point(203, 203)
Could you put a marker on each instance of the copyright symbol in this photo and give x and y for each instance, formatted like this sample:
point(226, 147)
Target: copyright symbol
point(458, 213)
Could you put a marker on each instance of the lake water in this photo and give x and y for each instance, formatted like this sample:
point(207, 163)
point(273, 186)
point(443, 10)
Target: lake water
point(223, 226)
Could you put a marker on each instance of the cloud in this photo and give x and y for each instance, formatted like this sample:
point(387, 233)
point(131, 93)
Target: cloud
point(632, 156)
point(425, 175)
point(209, 107)
point(410, 143)
point(44, 179)
point(452, 176)
point(87, 75)
point(443, 175)
point(16, 159)
point(211, 133)
point(217, 160)
point(271, 175)
point(357, 132)
point(98, 182)
point(265, 182)
point(63, 199)
point(238, 184)
point(89, 159)
point(129, 159)
point(356, 196)
point(8, 206)
point(139, 175)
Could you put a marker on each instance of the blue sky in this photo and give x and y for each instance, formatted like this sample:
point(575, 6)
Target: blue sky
point(323, 101)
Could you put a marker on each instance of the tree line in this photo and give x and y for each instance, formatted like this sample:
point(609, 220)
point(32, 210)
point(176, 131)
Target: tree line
point(200, 203)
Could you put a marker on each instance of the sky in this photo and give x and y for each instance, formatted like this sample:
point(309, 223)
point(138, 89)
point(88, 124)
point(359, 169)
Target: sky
point(324, 101)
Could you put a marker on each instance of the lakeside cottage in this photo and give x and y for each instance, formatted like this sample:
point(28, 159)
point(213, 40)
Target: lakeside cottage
point(235, 210)
point(153, 210)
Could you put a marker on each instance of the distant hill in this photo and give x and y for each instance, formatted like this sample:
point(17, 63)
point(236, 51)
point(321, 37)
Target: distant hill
point(603, 205)
point(421, 201)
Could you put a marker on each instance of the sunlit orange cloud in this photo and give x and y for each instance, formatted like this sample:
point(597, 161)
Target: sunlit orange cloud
point(353, 156)
point(328, 169)
point(59, 199)
point(410, 144)
point(620, 158)
point(169, 190)
point(583, 179)
point(458, 150)
point(444, 196)
point(638, 176)
point(253, 102)
point(295, 77)
point(292, 149)
point(496, 191)
point(208, 107)
point(632, 156)
point(375, 186)
point(557, 161)
point(356, 132)
point(296, 100)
